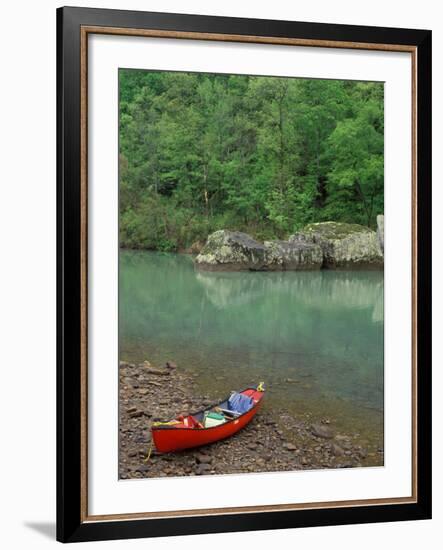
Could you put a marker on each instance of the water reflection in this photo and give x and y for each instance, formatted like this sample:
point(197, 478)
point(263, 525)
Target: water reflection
point(318, 289)
point(323, 330)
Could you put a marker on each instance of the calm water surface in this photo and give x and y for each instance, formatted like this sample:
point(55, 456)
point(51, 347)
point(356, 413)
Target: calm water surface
point(323, 330)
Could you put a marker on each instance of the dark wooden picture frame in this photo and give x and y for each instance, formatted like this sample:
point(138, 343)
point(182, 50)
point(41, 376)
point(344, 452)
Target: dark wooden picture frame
point(73, 26)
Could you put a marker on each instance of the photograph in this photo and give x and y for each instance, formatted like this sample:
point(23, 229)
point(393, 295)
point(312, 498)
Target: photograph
point(233, 351)
point(251, 274)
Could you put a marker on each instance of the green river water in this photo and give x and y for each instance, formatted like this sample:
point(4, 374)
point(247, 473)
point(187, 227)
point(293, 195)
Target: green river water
point(322, 330)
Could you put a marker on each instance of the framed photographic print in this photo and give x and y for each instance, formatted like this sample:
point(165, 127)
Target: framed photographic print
point(244, 271)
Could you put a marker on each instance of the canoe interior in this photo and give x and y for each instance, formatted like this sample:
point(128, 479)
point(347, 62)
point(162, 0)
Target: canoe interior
point(200, 415)
point(172, 437)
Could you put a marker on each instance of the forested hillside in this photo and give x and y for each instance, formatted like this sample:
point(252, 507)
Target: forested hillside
point(200, 152)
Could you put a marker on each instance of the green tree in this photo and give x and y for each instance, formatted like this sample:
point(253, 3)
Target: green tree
point(357, 169)
point(266, 155)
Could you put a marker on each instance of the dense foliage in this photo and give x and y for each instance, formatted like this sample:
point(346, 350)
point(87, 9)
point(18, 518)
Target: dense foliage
point(265, 155)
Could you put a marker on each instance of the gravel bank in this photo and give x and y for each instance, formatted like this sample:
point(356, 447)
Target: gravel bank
point(273, 441)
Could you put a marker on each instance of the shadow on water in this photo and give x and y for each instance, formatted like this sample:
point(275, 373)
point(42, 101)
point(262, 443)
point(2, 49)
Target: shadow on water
point(316, 338)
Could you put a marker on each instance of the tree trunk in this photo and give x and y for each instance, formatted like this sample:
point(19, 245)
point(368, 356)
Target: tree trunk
point(366, 207)
point(205, 189)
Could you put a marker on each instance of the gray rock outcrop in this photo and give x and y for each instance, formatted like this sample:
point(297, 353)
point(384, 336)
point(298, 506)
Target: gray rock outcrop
point(381, 231)
point(235, 251)
point(231, 251)
point(293, 256)
point(328, 245)
point(344, 245)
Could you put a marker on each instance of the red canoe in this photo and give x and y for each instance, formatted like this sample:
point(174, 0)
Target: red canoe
point(185, 432)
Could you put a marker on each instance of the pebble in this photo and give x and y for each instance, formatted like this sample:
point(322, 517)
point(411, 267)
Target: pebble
point(320, 430)
point(363, 453)
point(143, 468)
point(203, 459)
point(202, 469)
point(336, 450)
point(157, 372)
point(129, 381)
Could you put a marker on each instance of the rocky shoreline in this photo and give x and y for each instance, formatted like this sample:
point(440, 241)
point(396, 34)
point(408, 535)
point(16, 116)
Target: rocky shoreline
point(323, 245)
point(271, 442)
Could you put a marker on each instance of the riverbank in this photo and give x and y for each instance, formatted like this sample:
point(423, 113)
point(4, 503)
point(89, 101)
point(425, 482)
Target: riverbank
point(273, 441)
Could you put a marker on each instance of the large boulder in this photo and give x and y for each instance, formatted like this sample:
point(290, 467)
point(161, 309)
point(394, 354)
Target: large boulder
point(293, 256)
point(381, 231)
point(235, 251)
point(231, 251)
point(344, 245)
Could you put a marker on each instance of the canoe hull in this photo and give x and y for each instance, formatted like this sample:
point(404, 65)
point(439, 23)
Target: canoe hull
point(169, 439)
